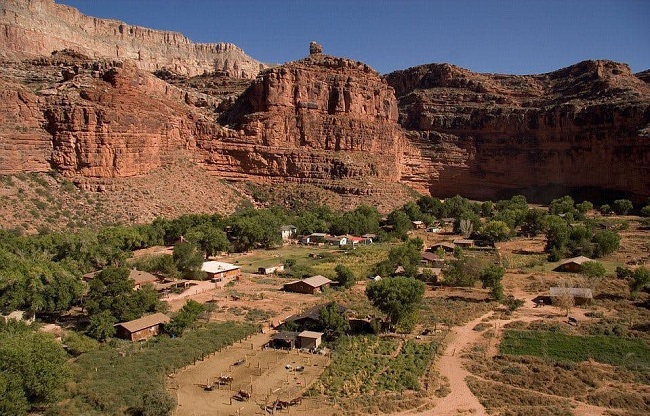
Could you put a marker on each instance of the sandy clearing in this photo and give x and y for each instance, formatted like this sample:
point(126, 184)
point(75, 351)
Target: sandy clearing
point(263, 375)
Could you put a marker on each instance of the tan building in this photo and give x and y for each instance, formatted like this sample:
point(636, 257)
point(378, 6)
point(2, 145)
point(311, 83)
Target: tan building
point(309, 339)
point(218, 271)
point(573, 265)
point(311, 285)
point(141, 329)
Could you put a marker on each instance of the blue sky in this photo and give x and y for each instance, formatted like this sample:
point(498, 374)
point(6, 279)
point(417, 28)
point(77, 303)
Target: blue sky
point(498, 36)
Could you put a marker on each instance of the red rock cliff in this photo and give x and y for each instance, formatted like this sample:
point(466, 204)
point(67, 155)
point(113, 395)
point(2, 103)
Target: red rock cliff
point(585, 127)
point(38, 27)
point(317, 119)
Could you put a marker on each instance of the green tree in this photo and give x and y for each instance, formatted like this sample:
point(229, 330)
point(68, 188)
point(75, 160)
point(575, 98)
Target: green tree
point(408, 255)
point(344, 276)
point(557, 235)
point(398, 297)
point(187, 257)
point(108, 291)
point(431, 206)
point(640, 280)
point(491, 278)
point(494, 231)
point(37, 363)
point(593, 270)
point(188, 314)
point(605, 209)
point(101, 326)
point(605, 242)
point(209, 239)
point(463, 271)
point(534, 222)
point(584, 207)
point(336, 325)
point(157, 403)
point(563, 206)
point(12, 397)
point(400, 221)
point(622, 206)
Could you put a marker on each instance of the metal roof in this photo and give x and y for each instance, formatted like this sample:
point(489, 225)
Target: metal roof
point(217, 267)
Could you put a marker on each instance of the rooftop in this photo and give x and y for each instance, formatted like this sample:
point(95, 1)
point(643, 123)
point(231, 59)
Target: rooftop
point(144, 322)
point(217, 267)
point(310, 334)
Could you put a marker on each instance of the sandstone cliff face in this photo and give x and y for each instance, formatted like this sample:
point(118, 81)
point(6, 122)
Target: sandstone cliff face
point(38, 27)
point(585, 127)
point(91, 118)
point(317, 119)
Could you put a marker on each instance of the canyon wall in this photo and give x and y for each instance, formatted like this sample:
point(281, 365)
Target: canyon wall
point(584, 130)
point(38, 27)
point(317, 119)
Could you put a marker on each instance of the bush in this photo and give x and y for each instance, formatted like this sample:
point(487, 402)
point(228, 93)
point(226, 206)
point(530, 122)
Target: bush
point(622, 206)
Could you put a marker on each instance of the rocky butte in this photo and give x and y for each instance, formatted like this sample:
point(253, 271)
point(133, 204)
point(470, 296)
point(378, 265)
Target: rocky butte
point(80, 96)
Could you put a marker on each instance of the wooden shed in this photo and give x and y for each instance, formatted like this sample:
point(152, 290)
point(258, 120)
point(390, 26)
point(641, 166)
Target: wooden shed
point(309, 339)
point(142, 328)
point(310, 285)
point(219, 271)
point(572, 265)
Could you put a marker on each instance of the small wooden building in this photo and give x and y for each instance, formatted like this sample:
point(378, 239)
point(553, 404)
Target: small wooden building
point(141, 278)
point(445, 245)
point(462, 242)
point(418, 225)
point(289, 232)
point(310, 285)
point(219, 271)
point(271, 269)
point(573, 265)
point(284, 340)
point(432, 259)
point(141, 329)
point(309, 339)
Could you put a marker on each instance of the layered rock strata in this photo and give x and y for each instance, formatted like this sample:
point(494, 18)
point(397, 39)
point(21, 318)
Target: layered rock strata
point(38, 27)
point(582, 128)
point(317, 119)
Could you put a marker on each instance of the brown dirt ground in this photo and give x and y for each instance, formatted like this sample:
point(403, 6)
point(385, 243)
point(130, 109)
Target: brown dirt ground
point(264, 375)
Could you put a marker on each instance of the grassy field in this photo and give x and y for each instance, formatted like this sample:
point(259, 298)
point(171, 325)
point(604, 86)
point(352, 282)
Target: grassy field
point(113, 379)
point(627, 352)
point(321, 260)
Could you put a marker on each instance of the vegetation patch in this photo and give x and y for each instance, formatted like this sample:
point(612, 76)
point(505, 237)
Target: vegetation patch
point(503, 399)
point(368, 364)
point(628, 352)
point(116, 378)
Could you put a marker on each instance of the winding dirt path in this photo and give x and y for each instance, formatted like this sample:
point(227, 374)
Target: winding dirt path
point(461, 400)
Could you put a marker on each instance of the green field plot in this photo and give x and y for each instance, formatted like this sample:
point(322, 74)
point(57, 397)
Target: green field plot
point(368, 364)
point(628, 352)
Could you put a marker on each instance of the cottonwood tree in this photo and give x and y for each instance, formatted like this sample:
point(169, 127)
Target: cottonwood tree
point(344, 276)
point(336, 325)
point(491, 278)
point(33, 370)
point(398, 297)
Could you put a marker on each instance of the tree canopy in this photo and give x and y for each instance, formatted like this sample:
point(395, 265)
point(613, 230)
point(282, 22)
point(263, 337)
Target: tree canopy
point(397, 297)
